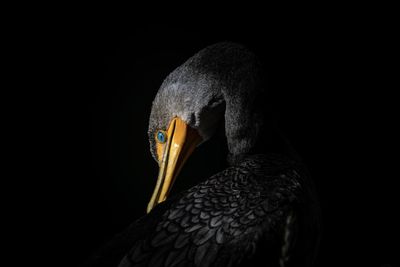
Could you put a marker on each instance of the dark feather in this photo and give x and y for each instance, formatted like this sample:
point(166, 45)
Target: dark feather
point(266, 195)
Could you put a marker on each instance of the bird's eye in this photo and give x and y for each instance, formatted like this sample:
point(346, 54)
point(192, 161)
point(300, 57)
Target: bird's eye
point(161, 137)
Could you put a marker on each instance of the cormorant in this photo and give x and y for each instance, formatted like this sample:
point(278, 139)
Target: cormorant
point(260, 211)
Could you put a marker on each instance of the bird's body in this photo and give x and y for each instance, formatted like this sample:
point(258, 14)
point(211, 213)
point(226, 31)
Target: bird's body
point(260, 211)
point(240, 215)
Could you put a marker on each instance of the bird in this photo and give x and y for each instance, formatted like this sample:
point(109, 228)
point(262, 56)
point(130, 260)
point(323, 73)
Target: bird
point(261, 210)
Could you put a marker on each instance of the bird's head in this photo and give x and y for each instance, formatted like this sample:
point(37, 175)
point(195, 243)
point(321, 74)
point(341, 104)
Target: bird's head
point(182, 117)
point(187, 110)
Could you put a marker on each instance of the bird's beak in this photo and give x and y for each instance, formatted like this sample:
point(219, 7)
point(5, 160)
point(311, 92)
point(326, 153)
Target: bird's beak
point(181, 141)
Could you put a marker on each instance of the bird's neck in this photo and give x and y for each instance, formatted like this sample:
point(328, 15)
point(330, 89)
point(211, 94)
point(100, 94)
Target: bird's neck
point(270, 141)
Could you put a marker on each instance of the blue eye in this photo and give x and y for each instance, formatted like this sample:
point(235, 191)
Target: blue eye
point(161, 137)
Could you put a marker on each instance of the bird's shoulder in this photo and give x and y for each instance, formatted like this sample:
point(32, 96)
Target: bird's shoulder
point(219, 221)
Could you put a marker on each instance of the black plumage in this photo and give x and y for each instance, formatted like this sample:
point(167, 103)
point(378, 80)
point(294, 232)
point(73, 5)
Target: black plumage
point(260, 211)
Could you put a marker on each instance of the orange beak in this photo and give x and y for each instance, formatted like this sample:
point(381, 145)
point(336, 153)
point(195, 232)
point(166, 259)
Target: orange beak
point(181, 141)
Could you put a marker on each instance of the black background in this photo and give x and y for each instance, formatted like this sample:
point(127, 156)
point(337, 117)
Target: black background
point(332, 90)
